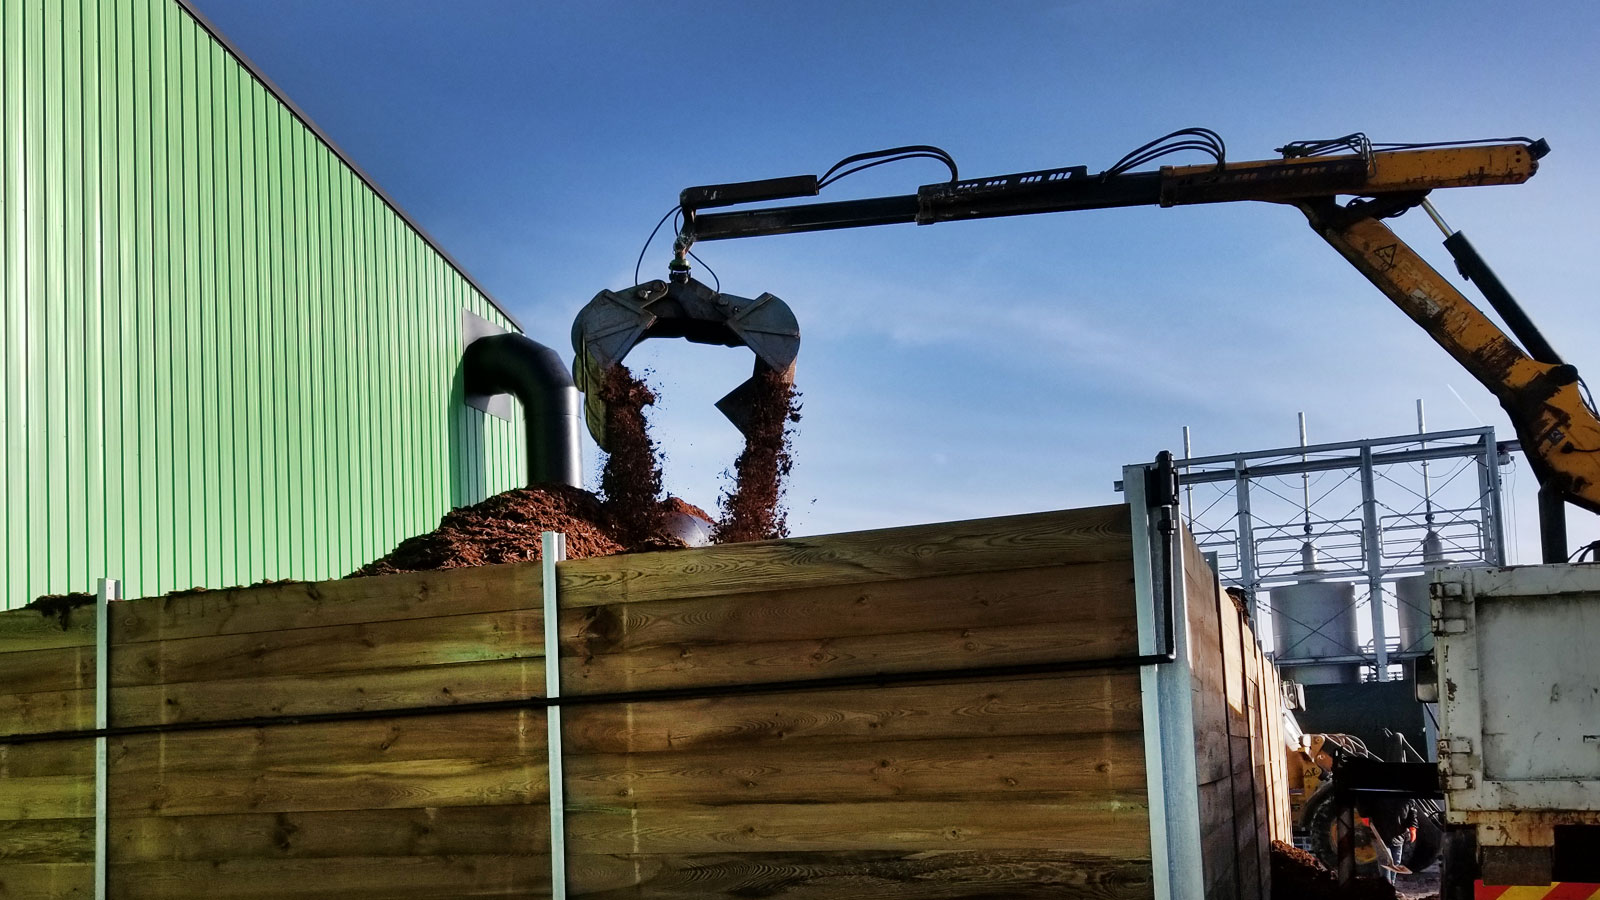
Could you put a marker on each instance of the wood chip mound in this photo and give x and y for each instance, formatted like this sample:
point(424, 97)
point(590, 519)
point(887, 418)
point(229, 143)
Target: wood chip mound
point(1297, 875)
point(508, 528)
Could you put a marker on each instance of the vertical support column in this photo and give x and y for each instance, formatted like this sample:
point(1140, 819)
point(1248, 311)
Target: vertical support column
point(554, 549)
point(1490, 500)
point(1552, 525)
point(1167, 705)
point(1247, 537)
point(1372, 549)
point(109, 589)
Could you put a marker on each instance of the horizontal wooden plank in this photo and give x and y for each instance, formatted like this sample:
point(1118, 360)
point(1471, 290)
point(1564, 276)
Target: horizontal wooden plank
point(1068, 704)
point(60, 669)
point(508, 830)
point(1038, 596)
point(338, 692)
point(443, 640)
point(823, 773)
point(450, 735)
point(47, 797)
point(1107, 824)
point(46, 841)
point(1097, 534)
point(351, 601)
point(47, 881)
point(386, 784)
point(941, 875)
point(686, 666)
point(65, 757)
point(45, 711)
point(32, 629)
point(348, 878)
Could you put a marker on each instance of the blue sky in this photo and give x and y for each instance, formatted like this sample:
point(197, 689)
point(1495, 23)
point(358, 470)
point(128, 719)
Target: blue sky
point(976, 368)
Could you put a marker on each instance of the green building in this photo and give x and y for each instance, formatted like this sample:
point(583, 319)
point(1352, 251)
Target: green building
point(227, 355)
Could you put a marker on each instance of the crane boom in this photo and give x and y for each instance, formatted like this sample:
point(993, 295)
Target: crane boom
point(1558, 429)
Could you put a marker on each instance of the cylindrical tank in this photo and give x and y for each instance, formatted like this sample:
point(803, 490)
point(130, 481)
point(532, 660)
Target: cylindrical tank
point(1315, 618)
point(1411, 595)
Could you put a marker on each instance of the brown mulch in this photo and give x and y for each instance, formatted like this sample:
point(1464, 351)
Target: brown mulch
point(680, 505)
point(507, 528)
point(630, 513)
point(630, 481)
point(1297, 875)
point(60, 606)
point(752, 510)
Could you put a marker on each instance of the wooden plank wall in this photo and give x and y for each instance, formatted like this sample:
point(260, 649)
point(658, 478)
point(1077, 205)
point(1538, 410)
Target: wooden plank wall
point(1030, 787)
point(956, 783)
point(1239, 752)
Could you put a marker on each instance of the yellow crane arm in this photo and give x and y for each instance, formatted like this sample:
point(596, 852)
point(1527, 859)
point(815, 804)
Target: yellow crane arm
point(1558, 430)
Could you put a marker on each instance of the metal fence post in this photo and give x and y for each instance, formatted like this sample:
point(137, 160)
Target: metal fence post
point(554, 550)
point(109, 589)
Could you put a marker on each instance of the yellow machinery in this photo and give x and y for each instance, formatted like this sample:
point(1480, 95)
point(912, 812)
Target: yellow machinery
point(1558, 428)
point(1346, 187)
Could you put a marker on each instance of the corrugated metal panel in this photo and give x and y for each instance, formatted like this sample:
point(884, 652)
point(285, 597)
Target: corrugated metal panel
point(223, 357)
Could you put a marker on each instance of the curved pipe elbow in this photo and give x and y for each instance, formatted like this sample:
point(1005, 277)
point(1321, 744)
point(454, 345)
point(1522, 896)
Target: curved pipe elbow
point(537, 376)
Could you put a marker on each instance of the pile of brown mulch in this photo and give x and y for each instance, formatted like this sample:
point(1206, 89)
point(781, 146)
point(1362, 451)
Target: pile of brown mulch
point(752, 510)
point(60, 606)
point(508, 528)
point(1297, 875)
point(630, 514)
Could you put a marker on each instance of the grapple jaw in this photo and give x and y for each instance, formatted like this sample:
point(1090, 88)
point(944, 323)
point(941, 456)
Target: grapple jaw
point(614, 322)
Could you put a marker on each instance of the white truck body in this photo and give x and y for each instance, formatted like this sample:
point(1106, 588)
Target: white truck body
point(1518, 654)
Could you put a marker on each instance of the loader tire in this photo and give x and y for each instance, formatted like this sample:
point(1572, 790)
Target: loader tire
point(1424, 851)
point(1321, 816)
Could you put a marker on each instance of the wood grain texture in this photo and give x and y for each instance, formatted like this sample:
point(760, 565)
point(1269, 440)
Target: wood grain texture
point(1016, 786)
point(406, 643)
point(47, 841)
point(73, 756)
point(1035, 596)
point(494, 733)
point(402, 784)
point(352, 601)
point(1097, 534)
point(47, 797)
point(233, 699)
point(474, 759)
point(46, 711)
point(1115, 824)
point(500, 830)
point(46, 881)
point(59, 669)
point(1079, 703)
point(935, 875)
point(952, 770)
point(1239, 766)
point(336, 878)
point(932, 650)
point(28, 629)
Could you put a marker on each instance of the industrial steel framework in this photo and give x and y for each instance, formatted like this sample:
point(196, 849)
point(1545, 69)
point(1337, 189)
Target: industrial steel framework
point(1365, 506)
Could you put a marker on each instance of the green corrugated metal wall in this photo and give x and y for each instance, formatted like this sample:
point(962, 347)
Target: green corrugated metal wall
point(226, 359)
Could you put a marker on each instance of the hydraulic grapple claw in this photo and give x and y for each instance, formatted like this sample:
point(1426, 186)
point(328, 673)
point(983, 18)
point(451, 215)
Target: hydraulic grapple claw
point(613, 323)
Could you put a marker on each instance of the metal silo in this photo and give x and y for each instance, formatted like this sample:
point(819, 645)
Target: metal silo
point(1313, 619)
point(1411, 592)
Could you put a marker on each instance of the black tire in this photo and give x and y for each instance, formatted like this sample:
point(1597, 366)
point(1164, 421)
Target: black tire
point(1424, 851)
point(1321, 816)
